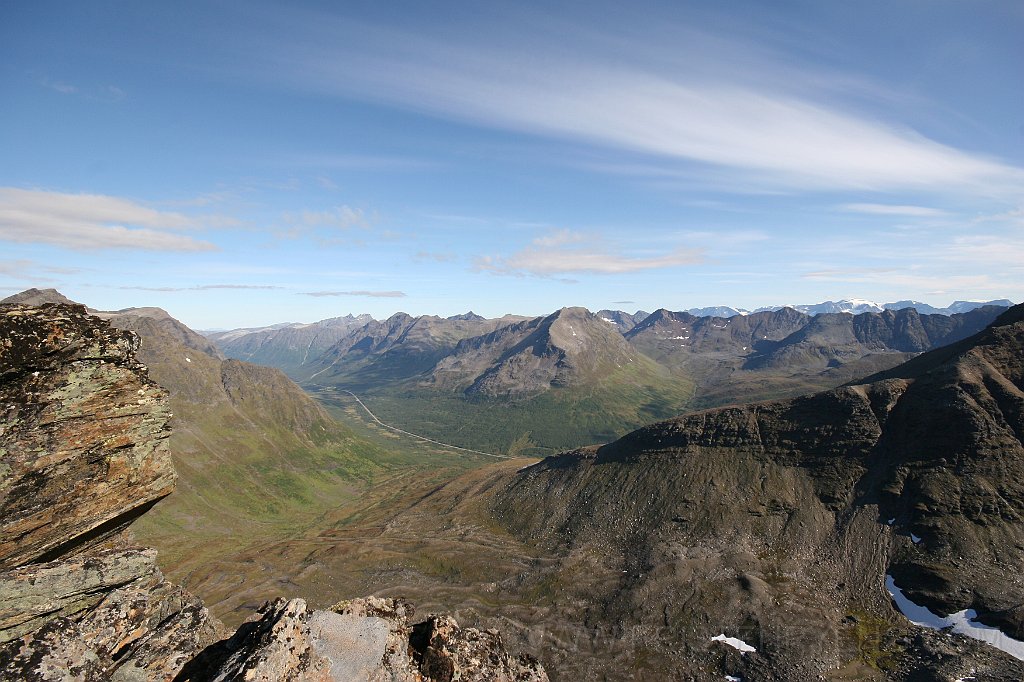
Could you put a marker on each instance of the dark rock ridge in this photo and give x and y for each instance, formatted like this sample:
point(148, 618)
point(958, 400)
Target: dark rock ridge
point(622, 320)
point(777, 523)
point(83, 453)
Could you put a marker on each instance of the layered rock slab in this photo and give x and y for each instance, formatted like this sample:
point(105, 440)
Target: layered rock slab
point(82, 435)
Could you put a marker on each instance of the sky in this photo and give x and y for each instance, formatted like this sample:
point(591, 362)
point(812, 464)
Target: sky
point(247, 163)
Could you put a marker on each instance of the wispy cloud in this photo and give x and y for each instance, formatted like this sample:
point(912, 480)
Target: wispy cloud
point(370, 294)
point(909, 280)
point(339, 217)
point(25, 269)
point(895, 210)
point(329, 227)
point(437, 257)
point(770, 124)
point(107, 93)
point(559, 253)
point(92, 221)
point(203, 287)
point(60, 86)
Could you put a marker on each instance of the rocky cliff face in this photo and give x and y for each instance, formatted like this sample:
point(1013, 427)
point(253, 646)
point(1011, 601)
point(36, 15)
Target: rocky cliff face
point(83, 437)
point(83, 453)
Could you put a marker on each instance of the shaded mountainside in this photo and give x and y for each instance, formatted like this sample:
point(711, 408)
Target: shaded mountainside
point(84, 434)
point(777, 523)
point(568, 348)
point(287, 347)
point(398, 348)
point(832, 340)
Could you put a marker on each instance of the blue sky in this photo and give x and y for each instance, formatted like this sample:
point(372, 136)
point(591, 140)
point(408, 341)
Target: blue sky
point(248, 163)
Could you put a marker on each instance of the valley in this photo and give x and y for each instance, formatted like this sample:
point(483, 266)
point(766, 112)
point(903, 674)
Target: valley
point(776, 523)
point(575, 378)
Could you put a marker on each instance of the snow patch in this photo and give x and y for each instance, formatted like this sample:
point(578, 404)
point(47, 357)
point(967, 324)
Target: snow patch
point(961, 621)
point(891, 521)
point(188, 359)
point(608, 321)
point(734, 642)
point(915, 539)
point(733, 678)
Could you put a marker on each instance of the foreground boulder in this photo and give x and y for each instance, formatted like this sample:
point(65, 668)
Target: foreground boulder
point(83, 453)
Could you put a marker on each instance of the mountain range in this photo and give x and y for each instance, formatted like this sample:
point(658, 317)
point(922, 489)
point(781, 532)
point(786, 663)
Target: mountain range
point(576, 377)
point(855, 306)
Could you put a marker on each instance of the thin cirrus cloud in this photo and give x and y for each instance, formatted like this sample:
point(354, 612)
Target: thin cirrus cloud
point(770, 126)
point(204, 287)
point(895, 210)
point(92, 221)
point(559, 253)
point(370, 294)
point(923, 281)
point(339, 217)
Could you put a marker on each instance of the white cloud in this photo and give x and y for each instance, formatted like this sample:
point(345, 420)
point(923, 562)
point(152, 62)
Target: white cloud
point(895, 210)
point(768, 125)
point(92, 221)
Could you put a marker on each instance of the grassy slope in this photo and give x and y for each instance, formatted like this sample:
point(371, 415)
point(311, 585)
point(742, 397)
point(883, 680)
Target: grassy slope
point(249, 553)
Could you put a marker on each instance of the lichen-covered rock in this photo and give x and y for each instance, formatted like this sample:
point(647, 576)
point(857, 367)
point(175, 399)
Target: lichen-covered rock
point(109, 616)
point(447, 652)
point(37, 593)
point(82, 433)
point(82, 454)
point(368, 639)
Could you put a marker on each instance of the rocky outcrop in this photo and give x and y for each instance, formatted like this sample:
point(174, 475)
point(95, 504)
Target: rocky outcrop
point(370, 639)
point(83, 438)
point(83, 453)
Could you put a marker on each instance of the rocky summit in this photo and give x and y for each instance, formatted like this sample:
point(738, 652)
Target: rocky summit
point(83, 453)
